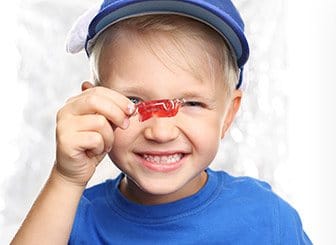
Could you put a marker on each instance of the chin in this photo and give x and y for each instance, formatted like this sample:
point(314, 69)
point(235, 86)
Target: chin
point(155, 187)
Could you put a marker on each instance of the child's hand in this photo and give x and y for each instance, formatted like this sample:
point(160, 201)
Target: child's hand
point(84, 131)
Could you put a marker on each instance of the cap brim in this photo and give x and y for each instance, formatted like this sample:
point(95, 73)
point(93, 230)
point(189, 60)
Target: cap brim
point(200, 10)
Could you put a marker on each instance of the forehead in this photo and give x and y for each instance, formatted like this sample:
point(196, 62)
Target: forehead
point(162, 53)
point(178, 52)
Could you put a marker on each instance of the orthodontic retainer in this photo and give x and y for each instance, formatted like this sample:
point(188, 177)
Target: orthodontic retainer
point(159, 108)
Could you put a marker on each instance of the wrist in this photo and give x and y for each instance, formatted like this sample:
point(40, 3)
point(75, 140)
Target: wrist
point(57, 178)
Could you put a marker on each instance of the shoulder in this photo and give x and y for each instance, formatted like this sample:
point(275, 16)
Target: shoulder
point(244, 190)
point(246, 196)
point(243, 186)
point(255, 200)
point(290, 227)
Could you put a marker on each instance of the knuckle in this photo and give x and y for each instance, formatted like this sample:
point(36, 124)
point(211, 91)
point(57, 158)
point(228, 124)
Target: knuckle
point(101, 121)
point(91, 100)
point(117, 120)
point(59, 114)
point(121, 122)
point(60, 136)
point(95, 139)
point(63, 112)
point(62, 131)
point(95, 90)
point(70, 99)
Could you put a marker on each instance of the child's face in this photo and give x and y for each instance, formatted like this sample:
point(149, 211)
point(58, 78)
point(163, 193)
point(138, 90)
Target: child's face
point(164, 157)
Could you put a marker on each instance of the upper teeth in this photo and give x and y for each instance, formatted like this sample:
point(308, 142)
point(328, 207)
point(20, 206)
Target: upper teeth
point(163, 159)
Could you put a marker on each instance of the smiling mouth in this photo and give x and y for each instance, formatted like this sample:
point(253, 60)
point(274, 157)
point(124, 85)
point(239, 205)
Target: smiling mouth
point(163, 159)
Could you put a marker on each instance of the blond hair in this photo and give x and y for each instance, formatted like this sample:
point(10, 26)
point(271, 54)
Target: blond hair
point(180, 30)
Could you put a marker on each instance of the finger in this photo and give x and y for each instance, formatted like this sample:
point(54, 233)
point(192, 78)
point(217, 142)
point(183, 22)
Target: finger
point(90, 141)
point(85, 85)
point(97, 123)
point(75, 145)
point(95, 105)
point(122, 101)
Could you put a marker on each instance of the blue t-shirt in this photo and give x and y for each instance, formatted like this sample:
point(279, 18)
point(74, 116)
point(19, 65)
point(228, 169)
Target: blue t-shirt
point(227, 210)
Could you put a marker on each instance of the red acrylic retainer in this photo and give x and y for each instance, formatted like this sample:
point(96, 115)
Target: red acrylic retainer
point(159, 108)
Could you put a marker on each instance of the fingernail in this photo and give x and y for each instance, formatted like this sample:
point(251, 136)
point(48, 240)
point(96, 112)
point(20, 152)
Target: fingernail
point(126, 123)
point(131, 108)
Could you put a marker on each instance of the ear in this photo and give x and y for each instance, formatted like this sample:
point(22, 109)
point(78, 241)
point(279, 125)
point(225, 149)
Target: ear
point(232, 110)
point(86, 85)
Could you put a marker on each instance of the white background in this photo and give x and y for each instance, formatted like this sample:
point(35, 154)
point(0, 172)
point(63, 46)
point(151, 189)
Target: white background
point(311, 41)
point(292, 55)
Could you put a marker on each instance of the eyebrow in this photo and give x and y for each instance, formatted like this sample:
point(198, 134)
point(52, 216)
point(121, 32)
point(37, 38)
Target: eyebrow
point(198, 96)
point(141, 90)
point(132, 89)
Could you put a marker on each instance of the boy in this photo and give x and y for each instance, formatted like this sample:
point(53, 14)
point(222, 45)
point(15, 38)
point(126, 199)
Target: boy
point(166, 78)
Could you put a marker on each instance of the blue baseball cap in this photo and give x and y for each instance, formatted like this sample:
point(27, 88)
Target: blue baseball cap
point(220, 15)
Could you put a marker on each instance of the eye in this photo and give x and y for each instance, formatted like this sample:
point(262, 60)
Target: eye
point(193, 104)
point(135, 100)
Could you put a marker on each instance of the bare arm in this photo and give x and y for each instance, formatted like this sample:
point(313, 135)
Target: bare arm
point(84, 135)
point(50, 219)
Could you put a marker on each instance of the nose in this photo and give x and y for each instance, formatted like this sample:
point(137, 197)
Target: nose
point(161, 130)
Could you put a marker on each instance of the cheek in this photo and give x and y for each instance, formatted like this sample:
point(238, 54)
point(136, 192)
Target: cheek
point(204, 133)
point(201, 124)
